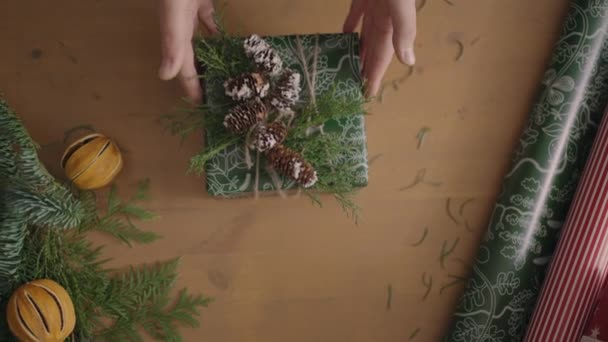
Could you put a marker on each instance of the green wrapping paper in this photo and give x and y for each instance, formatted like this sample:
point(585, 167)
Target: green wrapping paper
point(337, 67)
point(536, 192)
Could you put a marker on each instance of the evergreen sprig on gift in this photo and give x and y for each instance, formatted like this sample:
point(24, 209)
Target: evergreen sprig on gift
point(43, 234)
point(222, 57)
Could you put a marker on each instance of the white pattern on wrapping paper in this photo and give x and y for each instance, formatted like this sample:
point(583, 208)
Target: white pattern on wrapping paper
point(566, 51)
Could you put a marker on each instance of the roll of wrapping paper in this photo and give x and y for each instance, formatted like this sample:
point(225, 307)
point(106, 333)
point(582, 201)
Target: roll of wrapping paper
point(578, 269)
point(537, 190)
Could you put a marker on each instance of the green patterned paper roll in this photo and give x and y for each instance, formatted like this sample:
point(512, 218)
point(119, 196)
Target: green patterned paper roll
point(536, 193)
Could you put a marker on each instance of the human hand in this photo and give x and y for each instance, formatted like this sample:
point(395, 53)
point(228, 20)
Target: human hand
point(179, 19)
point(388, 25)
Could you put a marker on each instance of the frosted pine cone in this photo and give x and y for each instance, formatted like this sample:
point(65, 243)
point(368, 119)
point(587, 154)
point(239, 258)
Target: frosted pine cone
point(246, 86)
point(287, 91)
point(268, 136)
point(254, 44)
point(264, 56)
point(292, 164)
point(245, 115)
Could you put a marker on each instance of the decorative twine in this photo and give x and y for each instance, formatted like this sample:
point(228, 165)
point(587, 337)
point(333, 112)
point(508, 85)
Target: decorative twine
point(311, 79)
point(247, 144)
point(256, 184)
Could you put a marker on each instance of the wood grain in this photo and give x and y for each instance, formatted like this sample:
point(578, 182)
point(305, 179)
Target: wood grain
point(283, 270)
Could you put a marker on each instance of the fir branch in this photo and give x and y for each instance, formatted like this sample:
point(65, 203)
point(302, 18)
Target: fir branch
point(56, 208)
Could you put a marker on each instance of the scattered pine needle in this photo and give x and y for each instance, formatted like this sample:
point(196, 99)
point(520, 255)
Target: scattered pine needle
point(374, 158)
point(445, 252)
point(460, 50)
point(389, 297)
point(450, 284)
point(449, 2)
point(421, 135)
point(464, 204)
point(428, 283)
point(457, 280)
point(420, 179)
point(414, 334)
point(455, 276)
point(394, 83)
point(419, 242)
point(447, 209)
point(420, 5)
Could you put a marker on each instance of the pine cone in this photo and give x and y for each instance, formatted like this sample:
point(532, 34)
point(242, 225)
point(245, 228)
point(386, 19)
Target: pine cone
point(246, 86)
point(287, 91)
point(292, 164)
point(264, 56)
point(254, 44)
point(268, 136)
point(245, 115)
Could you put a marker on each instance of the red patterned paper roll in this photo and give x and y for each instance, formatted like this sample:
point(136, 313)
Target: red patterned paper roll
point(579, 266)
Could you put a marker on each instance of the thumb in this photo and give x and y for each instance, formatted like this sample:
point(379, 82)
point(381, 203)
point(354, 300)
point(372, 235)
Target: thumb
point(403, 17)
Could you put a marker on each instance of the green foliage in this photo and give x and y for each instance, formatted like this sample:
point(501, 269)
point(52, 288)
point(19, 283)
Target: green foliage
point(110, 305)
point(222, 57)
point(44, 208)
point(43, 229)
point(119, 217)
point(329, 107)
point(140, 298)
point(29, 195)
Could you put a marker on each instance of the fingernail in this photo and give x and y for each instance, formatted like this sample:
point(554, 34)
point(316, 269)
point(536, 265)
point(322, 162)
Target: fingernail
point(407, 56)
point(164, 72)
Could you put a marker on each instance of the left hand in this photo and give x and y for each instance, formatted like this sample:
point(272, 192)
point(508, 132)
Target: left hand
point(179, 19)
point(389, 26)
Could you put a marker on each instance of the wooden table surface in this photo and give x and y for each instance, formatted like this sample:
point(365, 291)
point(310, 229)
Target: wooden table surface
point(283, 270)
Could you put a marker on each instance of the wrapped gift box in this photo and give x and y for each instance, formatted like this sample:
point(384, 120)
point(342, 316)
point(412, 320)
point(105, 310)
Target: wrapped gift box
point(337, 66)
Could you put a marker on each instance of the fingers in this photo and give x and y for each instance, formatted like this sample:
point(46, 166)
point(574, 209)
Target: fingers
point(403, 17)
point(366, 40)
point(206, 16)
point(354, 15)
point(188, 78)
point(378, 53)
point(175, 20)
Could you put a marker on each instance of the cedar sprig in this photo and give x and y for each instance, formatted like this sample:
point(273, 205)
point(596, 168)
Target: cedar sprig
point(119, 216)
point(140, 298)
point(329, 106)
point(44, 228)
point(111, 305)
